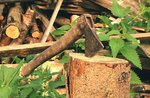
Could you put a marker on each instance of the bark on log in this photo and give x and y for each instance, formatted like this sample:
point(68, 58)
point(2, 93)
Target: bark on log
point(14, 22)
point(5, 40)
point(27, 21)
point(31, 40)
point(98, 77)
point(35, 30)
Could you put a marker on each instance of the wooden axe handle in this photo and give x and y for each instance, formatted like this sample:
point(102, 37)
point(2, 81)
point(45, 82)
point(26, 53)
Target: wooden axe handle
point(69, 38)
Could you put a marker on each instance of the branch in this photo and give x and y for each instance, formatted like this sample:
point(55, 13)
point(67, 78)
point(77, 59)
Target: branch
point(49, 28)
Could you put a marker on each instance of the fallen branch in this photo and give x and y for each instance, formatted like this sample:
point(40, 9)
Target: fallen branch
point(141, 36)
point(24, 49)
point(49, 28)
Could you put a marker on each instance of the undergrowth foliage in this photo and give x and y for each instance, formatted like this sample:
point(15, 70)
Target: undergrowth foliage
point(37, 85)
point(124, 44)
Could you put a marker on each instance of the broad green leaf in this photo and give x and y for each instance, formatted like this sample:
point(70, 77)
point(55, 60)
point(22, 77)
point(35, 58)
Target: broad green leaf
point(25, 92)
point(105, 19)
point(135, 78)
point(15, 76)
point(131, 54)
point(118, 10)
point(131, 39)
point(116, 45)
point(58, 33)
point(103, 37)
point(55, 84)
point(5, 92)
point(113, 32)
point(65, 27)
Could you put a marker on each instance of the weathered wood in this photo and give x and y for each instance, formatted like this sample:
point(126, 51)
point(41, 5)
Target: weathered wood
point(98, 77)
point(23, 49)
point(44, 21)
point(146, 49)
point(13, 26)
point(35, 30)
point(31, 40)
point(134, 4)
point(27, 21)
point(12, 1)
point(70, 37)
point(52, 19)
point(141, 36)
point(62, 21)
point(5, 40)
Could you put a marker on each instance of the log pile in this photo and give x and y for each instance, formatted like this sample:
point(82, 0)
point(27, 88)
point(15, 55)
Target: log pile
point(22, 29)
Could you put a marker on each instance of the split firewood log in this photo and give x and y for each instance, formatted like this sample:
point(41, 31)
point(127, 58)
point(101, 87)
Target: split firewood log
point(13, 26)
point(27, 21)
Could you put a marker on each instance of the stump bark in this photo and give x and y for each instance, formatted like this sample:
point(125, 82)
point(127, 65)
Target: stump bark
point(98, 77)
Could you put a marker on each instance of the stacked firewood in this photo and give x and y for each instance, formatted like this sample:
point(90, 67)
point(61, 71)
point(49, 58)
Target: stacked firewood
point(27, 26)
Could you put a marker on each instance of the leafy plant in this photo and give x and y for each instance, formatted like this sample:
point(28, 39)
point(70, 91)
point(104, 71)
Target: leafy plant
point(8, 78)
point(123, 43)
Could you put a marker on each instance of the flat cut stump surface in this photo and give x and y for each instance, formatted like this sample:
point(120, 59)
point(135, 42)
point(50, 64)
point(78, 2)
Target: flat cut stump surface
point(98, 77)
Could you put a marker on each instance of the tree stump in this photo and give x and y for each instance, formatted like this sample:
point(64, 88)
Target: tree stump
point(98, 77)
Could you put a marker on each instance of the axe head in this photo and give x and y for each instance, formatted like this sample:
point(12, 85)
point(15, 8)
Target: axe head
point(92, 42)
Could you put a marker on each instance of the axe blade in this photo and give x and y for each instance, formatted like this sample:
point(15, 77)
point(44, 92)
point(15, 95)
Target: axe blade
point(92, 42)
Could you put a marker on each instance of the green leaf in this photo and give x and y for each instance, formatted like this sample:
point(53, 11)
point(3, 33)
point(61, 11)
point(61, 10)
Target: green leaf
point(113, 32)
point(105, 19)
point(25, 92)
point(116, 45)
point(118, 10)
point(135, 78)
point(65, 58)
point(131, 39)
point(5, 92)
point(65, 27)
point(147, 15)
point(131, 54)
point(29, 58)
point(58, 32)
point(103, 37)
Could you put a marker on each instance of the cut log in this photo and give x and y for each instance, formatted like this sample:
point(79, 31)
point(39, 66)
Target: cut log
point(31, 40)
point(35, 30)
point(14, 22)
point(98, 77)
point(27, 20)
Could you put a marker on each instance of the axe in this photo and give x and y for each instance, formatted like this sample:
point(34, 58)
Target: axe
point(84, 25)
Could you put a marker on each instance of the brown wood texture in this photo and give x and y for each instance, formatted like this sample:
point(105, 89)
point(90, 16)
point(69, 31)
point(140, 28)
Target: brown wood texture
point(134, 4)
point(98, 77)
point(141, 36)
point(13, 26)
point(23, 49)
point(27, 21)
point(5, 40)
point(70, 37)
